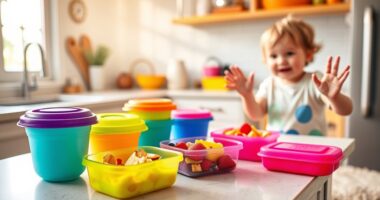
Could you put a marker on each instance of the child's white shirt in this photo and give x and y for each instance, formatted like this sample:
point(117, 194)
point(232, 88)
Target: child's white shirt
point(294, 108)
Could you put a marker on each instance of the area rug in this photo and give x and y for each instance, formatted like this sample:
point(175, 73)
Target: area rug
point(355, 183)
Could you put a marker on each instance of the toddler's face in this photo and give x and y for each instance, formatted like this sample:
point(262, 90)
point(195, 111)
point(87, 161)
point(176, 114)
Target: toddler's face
point(286, 60)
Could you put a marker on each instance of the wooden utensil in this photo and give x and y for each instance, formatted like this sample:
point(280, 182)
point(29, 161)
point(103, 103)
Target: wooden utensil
point(80, 62)
point(85, 44)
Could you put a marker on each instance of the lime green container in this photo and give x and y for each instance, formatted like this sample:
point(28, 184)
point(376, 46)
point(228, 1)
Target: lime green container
point(116, 131)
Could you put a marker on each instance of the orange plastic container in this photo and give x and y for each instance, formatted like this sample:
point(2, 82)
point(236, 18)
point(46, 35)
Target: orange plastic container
point(150, 109)
point(116, 131)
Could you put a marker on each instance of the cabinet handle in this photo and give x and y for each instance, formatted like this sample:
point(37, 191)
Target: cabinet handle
point(365, 99)
point(217, 109)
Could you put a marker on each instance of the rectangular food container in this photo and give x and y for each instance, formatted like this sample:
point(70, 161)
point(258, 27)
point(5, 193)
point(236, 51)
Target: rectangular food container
point(212, 160)
point(251, 145)
point(128, 181)
point(309, 159)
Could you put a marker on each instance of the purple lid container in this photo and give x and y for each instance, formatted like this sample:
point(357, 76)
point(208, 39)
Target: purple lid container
point(57, 117)
point(191, 114)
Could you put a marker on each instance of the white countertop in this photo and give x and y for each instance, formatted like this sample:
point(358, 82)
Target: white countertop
point(106, 97)
point(250, 180)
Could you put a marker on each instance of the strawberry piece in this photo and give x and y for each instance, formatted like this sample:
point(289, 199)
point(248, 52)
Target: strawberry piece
point(197, 155)
point(245, 128)
point(119, 161)
point(206, 165)
point(226, 162)
point(181, 145)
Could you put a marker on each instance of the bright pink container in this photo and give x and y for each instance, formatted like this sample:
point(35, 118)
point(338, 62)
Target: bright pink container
point(212, 71)
point(251, 145)
point(309, 159)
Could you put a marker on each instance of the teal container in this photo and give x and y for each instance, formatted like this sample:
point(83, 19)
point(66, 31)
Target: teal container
point(57, 157)
point(58, 140)
point(158, 130)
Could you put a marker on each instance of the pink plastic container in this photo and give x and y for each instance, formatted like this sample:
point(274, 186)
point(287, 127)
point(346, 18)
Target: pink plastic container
point(251, 145)
point(309, 159)
point(212, 71)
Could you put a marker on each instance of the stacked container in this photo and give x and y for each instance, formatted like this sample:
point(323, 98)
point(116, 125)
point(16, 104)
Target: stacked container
point(58, 139)
point(156, 114)
point(116, 131)
point(190, 123)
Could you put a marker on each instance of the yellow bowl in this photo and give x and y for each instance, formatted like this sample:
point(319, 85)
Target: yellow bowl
point(150, 82)
point(214, 83)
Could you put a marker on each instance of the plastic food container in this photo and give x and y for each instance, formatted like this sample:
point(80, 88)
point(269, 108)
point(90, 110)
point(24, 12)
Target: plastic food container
point(150, 109)
point(208, 161)
point(190, 123)
point(128, 181)
point(116, 131)
point(158, 131)
point(251, 145)
point(214, 83)
point(309, 159)
point(58, 139)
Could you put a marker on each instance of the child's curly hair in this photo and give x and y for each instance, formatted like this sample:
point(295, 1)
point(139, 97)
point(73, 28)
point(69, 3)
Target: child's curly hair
point(300, 32)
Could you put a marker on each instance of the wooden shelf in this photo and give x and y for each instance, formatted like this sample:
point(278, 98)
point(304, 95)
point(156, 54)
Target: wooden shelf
point(263, 14)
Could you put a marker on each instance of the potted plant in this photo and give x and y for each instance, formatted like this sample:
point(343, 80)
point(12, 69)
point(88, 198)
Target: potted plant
point(96, 62)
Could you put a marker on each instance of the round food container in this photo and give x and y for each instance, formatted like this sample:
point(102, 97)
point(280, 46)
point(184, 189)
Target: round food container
point(116, 131)
point(150, 109)
point(58, 139)
point(158, 130)
point(190, 123)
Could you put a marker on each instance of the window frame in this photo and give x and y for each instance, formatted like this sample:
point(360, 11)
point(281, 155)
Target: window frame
point(16, 77)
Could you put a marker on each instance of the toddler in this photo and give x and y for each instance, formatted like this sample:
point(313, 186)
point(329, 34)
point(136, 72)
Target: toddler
point(293, 99)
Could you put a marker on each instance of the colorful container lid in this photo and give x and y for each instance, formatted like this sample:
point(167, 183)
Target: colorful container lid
point(154, 104)
point(110, 123)
point(302, 152)
point(57, 117)
point(191, 114)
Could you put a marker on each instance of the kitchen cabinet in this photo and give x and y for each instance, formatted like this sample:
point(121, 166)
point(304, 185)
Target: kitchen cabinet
point(256, 14)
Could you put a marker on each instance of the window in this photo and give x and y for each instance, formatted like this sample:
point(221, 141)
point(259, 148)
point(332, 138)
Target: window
point(22, 22)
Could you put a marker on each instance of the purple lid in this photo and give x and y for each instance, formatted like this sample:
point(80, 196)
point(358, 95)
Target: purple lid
point(57, 117)
point(191, 114)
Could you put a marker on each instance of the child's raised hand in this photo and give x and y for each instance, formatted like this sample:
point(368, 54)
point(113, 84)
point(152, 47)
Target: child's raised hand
point(236, 80)
point(331, 84)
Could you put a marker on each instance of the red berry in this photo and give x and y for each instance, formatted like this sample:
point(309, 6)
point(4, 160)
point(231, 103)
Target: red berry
point(181, 145)
point(226, 162)
point(197, 155)
point(245, 128)
point(206, 165)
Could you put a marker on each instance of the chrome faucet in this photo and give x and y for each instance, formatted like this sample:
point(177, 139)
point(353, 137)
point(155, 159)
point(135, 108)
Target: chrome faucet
point(26, 87)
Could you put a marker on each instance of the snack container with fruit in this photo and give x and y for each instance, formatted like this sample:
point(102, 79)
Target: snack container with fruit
point(251, 144)
point(309, 159)
point(124, 181)
point(205, 155)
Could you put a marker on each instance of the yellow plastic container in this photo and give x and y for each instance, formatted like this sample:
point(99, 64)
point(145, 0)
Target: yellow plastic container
point(116, 131)
point(214, 83)
point(150, 109)
point(129, 181)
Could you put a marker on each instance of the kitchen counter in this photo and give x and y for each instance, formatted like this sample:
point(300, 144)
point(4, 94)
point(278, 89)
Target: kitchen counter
point(250, 180)
point(93, 99)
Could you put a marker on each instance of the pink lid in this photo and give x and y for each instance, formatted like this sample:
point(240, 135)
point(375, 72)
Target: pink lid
point(191, 114)
point(302, 152)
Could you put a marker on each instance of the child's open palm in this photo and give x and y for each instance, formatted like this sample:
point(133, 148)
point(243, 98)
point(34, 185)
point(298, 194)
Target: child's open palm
point(331, 84)
point(236, 80)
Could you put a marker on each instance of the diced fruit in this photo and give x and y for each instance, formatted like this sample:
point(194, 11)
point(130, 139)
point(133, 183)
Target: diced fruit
point(201, 155)
point(196, 168)
point(181, 145)
point(109, 159)
point(189, 161)
point(210, 144)
point(214, 154)
point(245, 128)
point(225, 162)
point(206, 165)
